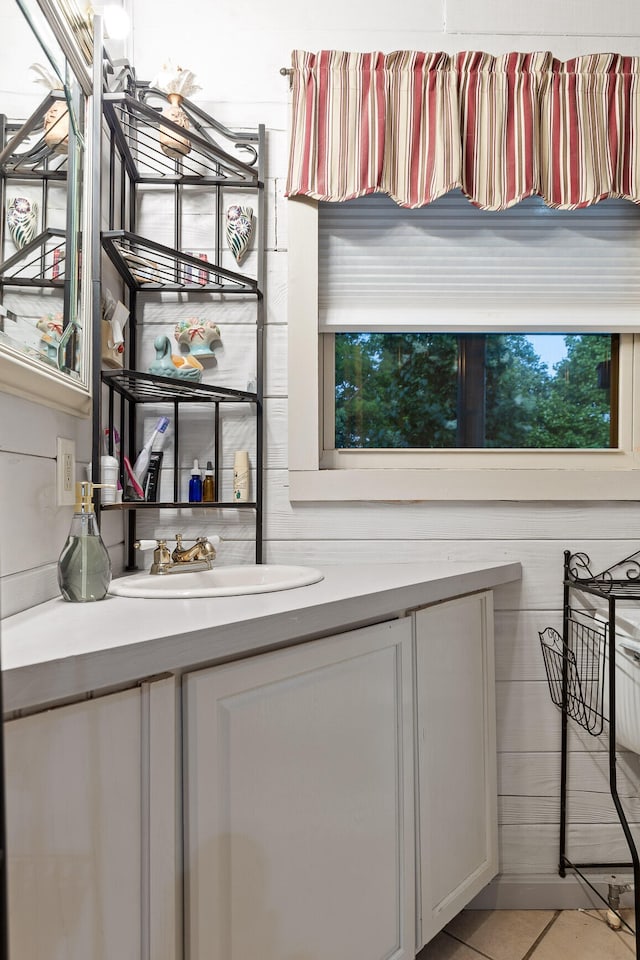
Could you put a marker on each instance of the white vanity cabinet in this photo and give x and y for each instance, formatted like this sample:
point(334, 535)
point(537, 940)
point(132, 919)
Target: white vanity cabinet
point(456, 756)
point(333, 799)
point(299, 802)
point(91, 828)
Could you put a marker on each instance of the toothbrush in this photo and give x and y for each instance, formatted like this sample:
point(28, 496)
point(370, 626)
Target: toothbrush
point(134, 490)
point(141, 465)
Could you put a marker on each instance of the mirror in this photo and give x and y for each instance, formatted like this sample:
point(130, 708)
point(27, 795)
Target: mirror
point(45, 302)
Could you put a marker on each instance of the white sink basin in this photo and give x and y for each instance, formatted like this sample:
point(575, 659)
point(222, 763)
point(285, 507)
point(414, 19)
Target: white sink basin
point(218, 582)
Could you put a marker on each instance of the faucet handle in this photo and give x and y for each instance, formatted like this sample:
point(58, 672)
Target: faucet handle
point(152, 544)
point(148, 544)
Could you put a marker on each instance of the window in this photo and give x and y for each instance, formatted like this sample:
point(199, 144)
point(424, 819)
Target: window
point(484, 307)
point(500, 391)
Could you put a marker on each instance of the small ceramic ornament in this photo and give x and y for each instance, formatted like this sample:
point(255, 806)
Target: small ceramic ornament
point(197, 335)
point(169, 364)
point(56, 119)
point(56, 127)
point(239, 230)
point(172, 144)
point(51, 330)
point(177, 84)
point(22, 215)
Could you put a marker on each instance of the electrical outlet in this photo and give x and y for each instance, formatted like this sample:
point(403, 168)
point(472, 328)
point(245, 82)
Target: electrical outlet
point(65, 472)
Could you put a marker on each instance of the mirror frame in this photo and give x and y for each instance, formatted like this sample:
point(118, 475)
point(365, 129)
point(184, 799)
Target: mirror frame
point(62, 28)
point(19, 374)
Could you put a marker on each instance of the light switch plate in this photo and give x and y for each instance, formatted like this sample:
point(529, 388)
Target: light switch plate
point(65, 472)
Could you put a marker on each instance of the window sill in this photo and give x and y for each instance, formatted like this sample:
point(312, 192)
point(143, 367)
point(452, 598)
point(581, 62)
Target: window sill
point(484, 484)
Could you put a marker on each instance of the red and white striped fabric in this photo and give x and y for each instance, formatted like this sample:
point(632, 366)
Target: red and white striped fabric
point(416, 125)
point(589, 129)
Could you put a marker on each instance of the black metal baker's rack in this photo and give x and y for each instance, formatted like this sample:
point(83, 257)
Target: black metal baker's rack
point(219, 160)
point(579, 664)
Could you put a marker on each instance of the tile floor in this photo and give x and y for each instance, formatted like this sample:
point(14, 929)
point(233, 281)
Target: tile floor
point(531, 935)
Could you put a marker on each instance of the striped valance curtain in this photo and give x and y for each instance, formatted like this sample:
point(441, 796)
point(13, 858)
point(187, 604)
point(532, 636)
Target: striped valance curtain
point(416, 125)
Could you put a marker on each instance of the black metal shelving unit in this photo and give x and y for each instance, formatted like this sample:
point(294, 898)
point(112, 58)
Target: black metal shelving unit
point(219, 159)
point(581, 670)
point(138, 388)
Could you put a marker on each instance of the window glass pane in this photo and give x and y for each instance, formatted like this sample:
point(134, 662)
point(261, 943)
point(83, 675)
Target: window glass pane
point(504, 391)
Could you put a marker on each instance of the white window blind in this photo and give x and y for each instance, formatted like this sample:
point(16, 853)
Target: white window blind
point(451, 267)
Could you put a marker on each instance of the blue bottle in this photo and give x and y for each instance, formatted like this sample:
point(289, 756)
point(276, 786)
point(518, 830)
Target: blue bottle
point(195, 484)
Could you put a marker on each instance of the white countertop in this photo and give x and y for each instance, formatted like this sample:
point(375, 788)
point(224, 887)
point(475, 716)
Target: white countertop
point(59, 651)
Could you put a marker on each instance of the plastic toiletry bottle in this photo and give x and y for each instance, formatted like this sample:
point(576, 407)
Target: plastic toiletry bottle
point(84, 566)
point(107, 448)
point(207, 485)
point(241, 476)
point(109, 469)
point(195, 484)
point(141, 465)
point(109, 475)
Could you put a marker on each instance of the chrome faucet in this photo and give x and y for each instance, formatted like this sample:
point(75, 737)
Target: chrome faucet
point(202, 552)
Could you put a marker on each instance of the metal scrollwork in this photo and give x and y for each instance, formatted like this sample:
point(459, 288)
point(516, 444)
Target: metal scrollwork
point(622, 574)
point(579, 563)
point(632, 571)
point(253, 153)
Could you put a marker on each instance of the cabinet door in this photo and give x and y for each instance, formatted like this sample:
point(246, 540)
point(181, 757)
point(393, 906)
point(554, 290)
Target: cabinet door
point(87, 800)
point(299, 802)
point(457, 815)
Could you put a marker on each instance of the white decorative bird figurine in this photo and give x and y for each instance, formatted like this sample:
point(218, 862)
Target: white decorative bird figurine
point(239, 230)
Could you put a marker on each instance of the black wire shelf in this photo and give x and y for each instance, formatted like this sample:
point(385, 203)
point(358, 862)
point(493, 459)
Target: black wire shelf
point(621, 581)
point(25, 153)
point(138, 387)
point(40, 263)
point(137, 127)
point(180, 505)
point(148, 266)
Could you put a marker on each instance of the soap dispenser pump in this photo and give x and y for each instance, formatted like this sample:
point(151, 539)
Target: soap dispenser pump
point(84, 566)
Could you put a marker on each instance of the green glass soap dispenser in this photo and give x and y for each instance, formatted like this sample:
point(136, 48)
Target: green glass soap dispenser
point(84, 567)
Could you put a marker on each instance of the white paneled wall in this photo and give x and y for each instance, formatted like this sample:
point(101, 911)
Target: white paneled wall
point(29, 534)
point(544, 18)
point(236, 52)
point(32, 527)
